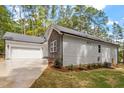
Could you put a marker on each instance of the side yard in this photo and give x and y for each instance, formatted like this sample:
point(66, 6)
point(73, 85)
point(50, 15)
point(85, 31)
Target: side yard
point(97, 78)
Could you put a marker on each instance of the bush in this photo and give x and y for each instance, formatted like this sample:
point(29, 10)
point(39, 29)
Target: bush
point(70, 67)
point(2, 46)
point(90, 66)
point(100, 65)
point(83, 67)
point(57, 63)
point(93, 65)
point(96, 66)
point(107, 65)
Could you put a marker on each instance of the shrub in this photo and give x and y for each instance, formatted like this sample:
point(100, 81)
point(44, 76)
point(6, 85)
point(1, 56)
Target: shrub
point(89, 66)
point(107, 65)
point(70, 67)
point(96, 65)
point(99, 65)
point(83, 67)
point(93, 65)
point(80, 66)
point(57, 63)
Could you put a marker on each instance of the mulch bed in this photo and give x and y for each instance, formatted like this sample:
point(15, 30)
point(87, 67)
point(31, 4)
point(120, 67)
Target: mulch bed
point(64, 69)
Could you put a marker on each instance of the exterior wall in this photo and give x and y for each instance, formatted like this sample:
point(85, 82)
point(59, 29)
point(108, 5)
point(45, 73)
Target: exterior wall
point(9, 44)
point(45, 49)
point(55, 36)
point(78, 50)
point(109, 53)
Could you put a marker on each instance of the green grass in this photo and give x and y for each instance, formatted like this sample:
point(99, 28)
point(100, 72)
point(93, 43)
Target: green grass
point(98, 78)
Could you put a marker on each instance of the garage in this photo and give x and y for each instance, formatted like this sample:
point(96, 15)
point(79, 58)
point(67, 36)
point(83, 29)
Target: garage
point(21, 52)
point(23, 46)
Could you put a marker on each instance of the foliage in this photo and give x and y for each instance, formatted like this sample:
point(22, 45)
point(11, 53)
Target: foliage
point(107, 65)
point(6, 24)
point(2, 46)
point(5, 21)
point(117, 31)
point(70, 67)
point(83, 66)
point(89, 66)
point(120, 56)
point(57, 63)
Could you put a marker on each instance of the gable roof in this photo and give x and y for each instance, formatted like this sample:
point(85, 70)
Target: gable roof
point(23, 38)
point(79, 34)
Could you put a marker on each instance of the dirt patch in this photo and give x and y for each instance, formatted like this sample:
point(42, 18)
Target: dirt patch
point(85, 83)
point(111, 81)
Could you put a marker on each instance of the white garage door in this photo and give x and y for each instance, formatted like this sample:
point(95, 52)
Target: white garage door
point(19, 52)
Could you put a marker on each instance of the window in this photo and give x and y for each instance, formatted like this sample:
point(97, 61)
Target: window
point(99, 48)
point(53, 46)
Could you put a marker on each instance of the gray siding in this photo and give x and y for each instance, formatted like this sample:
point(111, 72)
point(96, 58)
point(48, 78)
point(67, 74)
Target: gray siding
point(78, 50)
point(55, 36)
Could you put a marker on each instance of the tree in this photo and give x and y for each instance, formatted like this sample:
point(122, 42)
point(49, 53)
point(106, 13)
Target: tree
point(65, 15)
point(83, 22)
point(117, 36)
point(33, 19)
point(5, 21)
point(117, 31)
point(6, 24)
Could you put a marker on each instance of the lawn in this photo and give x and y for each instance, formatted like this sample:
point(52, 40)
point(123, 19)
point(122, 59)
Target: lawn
point(97, 78)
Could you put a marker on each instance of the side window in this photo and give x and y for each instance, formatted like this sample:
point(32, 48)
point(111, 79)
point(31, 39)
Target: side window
point(99, 48)
point(53, 46)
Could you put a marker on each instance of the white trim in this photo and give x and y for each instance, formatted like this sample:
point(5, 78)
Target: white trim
point(53, 46)
point(12, 44)
point(49, 31)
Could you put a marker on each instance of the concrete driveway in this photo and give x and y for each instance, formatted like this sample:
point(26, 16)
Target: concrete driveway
point(21, 73)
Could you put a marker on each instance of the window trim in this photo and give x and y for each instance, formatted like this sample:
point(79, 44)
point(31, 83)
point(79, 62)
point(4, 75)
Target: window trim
point(53, 46)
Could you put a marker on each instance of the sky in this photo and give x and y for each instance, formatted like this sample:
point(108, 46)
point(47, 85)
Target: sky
point(115, 13)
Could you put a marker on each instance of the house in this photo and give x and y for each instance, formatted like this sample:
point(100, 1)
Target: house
point(24, 46)
point(73, 47)
point(63, 44)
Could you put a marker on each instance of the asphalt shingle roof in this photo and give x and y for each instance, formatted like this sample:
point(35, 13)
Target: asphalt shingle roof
point(41, 39)
point(80, 34)
point(24, 38)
